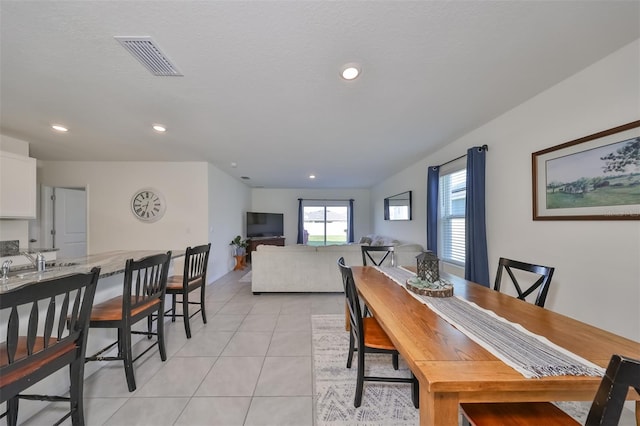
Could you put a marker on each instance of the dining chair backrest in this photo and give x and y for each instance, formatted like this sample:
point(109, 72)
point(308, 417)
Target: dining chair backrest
point(195, 263)
point(541, 284)
point(353, 301)
point(36, 344)
point(622, 373)
point(369, 252)
point(145, 281)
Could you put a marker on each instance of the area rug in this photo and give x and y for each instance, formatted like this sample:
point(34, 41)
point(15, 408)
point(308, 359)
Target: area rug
point(246, 278)
point(387, 404)
point(335, 384)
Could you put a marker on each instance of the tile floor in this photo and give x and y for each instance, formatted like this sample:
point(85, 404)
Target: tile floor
point(249, 365)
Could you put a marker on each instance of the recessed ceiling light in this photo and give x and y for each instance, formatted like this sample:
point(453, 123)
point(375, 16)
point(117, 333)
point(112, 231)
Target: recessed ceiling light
point(234, 164)
point(159, 128)
point(350, 71)
point(312, 176)
point(59, 128)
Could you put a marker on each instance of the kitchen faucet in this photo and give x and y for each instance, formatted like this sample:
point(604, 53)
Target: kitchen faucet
point(38, 261)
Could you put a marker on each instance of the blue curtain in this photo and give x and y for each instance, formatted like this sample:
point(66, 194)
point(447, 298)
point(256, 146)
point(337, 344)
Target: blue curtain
point(433, 177)
point(300, 222)
point(476, 267)
point(350, 227)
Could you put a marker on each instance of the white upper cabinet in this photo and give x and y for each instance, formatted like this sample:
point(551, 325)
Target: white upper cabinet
point(17, 186)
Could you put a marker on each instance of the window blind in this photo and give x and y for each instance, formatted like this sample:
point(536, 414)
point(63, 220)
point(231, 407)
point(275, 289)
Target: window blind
point(452, 216)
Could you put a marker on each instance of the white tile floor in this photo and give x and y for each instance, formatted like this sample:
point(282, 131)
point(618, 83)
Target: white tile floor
point(249, 365)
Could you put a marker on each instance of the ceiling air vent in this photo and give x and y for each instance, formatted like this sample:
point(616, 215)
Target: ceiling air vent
point(149, 54)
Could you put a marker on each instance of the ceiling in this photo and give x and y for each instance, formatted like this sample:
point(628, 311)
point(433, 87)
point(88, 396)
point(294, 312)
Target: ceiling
point(261, 85)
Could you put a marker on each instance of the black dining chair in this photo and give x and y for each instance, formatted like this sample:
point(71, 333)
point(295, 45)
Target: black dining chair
point(145, 283)
point(376, 255)
point(368, 337)
point(194, 276)
point(543, 275)
point(55, 336)
point(606, 408)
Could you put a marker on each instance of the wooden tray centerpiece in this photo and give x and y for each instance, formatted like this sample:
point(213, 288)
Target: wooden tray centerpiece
point(428, 282)
point(431, 289)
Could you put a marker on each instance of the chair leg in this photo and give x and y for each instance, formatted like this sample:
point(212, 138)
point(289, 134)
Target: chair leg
point(415, 391)
point(76, 375)
point(12, 411)
point(204, 315)
point(173, 307)
point(128, 359)
point(185, 314)
point(160, 331)
point(394, 359)
point(149, 326)
point(351, 349)
point(360, 380)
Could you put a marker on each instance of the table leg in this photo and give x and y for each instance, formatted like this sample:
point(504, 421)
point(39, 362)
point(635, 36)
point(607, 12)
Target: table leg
point(637, 413)
point(438, 409)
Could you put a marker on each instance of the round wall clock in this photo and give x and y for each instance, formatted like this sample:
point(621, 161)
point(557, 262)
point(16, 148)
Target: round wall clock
point(148, 205)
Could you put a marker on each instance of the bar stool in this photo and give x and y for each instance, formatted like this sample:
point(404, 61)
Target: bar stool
point(193, 277)
point(145, 283)
point(25, 360)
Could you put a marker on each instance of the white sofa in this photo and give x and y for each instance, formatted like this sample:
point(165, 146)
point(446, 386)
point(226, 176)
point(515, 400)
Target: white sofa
point(300, 268)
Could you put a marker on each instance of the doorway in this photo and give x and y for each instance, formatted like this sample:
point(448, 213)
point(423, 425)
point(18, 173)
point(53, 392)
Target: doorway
point(63, 221)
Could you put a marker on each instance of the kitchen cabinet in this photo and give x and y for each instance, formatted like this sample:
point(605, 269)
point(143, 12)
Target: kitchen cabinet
point(17, 186)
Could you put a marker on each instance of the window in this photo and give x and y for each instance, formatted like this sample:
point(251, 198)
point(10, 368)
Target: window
point(453, 192)
point(326, 222)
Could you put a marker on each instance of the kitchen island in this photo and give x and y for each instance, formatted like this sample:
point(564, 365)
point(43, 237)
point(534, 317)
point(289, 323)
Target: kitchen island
point(110, 284)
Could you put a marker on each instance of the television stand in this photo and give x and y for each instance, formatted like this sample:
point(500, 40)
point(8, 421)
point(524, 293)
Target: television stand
point(267, 241)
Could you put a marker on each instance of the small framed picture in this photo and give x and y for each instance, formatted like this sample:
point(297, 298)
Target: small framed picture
point(596, 177)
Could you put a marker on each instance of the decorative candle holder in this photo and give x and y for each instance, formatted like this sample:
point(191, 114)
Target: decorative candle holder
point(428, 282)
point(428, 267)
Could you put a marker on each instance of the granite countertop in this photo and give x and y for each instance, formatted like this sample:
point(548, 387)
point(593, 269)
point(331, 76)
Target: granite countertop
point(110, 263)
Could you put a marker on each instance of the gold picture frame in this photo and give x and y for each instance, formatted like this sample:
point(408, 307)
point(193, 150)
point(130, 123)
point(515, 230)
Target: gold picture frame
point(596, 177)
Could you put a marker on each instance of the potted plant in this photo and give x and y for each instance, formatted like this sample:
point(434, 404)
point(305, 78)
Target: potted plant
point(240, 245)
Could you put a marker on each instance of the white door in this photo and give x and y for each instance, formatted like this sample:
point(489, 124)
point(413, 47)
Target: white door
point(70, 222)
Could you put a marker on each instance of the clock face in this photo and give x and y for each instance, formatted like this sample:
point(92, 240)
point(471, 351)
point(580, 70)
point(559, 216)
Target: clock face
point(148, 205)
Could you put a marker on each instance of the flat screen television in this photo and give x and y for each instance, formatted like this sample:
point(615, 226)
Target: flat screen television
point(265, 225)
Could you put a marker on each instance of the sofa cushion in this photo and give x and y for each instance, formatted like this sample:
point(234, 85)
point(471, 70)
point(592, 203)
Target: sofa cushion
point(291, 248)
point(340, 248)
point(365, 240)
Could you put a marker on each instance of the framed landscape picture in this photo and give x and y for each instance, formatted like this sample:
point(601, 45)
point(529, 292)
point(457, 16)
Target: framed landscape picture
point(596, 177)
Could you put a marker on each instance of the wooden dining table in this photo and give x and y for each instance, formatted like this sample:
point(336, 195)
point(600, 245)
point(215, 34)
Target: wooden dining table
point(452, 368)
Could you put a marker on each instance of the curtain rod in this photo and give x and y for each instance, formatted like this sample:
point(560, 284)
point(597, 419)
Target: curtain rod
point(324, 199)
point(483, 147)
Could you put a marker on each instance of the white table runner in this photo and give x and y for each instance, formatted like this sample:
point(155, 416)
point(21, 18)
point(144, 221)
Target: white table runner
point(530, 354)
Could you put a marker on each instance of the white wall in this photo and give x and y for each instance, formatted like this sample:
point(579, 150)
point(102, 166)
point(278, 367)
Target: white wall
point(228, 200)
point(597, 278)
point(285, 200)
point(110, 186)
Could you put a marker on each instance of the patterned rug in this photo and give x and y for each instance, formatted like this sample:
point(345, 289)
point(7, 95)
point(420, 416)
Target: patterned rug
point(335, 384)
point(387, 404)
